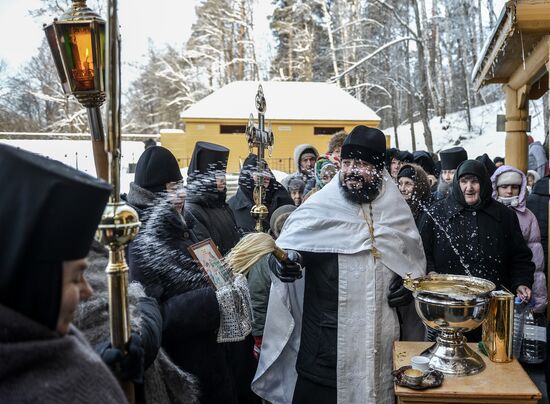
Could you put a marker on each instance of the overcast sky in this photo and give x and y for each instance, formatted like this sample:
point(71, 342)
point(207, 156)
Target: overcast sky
point(164, 21)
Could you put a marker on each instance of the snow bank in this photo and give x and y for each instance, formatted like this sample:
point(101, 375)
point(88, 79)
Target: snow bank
point(483, 138)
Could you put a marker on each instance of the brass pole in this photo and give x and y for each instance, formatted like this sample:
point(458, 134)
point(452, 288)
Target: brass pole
point(259, 137)
point(120, 223)
point(98, 143)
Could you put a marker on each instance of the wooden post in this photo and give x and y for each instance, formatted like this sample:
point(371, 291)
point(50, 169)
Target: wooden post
point(517, 112)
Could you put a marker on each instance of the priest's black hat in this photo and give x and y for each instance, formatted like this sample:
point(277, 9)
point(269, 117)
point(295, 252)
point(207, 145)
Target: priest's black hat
point(49, 213)
point(367, 144)
point(155, 168)
point(208, 157)
point(424, 160)
point(451, 158)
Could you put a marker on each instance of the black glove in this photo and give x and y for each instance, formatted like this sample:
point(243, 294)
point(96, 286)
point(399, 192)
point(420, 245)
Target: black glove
point(399, 295)
point(290, 269)
point(129, 366)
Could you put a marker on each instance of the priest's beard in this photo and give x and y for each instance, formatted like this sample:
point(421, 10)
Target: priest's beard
point(367, 192)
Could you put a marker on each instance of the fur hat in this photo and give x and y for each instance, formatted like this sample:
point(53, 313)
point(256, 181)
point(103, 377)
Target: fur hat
point(509, 178)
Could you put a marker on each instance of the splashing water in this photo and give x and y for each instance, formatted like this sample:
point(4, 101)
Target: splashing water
point(453, 247)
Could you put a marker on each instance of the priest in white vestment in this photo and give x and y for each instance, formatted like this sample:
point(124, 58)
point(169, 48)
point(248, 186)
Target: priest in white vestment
point(328, 335)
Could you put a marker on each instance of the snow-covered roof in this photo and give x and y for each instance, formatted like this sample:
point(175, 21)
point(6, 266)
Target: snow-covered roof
point(286, 100)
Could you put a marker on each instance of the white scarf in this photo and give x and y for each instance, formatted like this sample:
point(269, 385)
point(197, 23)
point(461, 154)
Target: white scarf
point(327, 222)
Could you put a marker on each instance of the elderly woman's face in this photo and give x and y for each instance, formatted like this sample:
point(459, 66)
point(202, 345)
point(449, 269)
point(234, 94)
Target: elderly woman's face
point(406, 187)
point(296, 196)
point(470, 187)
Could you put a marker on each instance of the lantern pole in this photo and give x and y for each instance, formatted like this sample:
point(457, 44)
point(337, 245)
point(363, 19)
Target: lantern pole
point(76, 41)
point(120, 223)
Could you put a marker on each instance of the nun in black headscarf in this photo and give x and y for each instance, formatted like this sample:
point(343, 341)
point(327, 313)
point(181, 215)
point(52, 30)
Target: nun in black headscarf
point(243, 200)
point(51, 212)
point(205, 198)
point(470, 230)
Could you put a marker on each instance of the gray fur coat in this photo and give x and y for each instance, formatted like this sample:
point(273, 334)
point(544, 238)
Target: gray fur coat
point(39, 366)
point(164, 382)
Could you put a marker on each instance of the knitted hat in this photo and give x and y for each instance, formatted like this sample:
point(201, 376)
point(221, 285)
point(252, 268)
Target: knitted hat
point(155, 168)
point(509, 178)
point(296, 184)
point(279, 217)
point(367, 144)
point(309, 152)
point(407, 171)
point(451, 158)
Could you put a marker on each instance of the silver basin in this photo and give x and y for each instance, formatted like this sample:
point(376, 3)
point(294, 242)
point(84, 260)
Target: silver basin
point(452, 304)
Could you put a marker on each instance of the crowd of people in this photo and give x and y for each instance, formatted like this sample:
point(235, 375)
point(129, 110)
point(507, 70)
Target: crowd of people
point(316, 325)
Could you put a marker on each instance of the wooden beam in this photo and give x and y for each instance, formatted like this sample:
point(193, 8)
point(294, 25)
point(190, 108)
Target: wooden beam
point(533, 15)
point(522, 96)
point(490, 53)
point(533, 67)
point(539, 88)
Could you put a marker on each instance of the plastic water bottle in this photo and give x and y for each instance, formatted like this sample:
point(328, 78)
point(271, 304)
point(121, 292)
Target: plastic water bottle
point(519, 311)
point(533, 348)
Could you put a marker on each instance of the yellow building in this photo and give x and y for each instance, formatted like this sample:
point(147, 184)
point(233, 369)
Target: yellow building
point(299, 112)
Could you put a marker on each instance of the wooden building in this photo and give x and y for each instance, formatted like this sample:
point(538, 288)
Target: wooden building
point(299, 112)
point(517, 56)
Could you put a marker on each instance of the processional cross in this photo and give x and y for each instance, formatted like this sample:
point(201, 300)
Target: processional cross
point(260, 138)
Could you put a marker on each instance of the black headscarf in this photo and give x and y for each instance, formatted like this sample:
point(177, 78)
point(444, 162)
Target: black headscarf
point(246, 180)
point(49, 213)
point(477, 169)
point(208, 161)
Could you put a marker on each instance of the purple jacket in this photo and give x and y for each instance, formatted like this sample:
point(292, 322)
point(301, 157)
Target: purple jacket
point(531, 233)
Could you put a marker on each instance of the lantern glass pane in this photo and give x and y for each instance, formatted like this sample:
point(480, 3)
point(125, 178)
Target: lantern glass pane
point(52, 42)
point(77, 45)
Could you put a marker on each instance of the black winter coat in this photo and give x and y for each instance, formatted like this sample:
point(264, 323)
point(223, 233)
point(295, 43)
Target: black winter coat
point(487, 237)
point(213, 219)
point(161, 262)
point(537, 203)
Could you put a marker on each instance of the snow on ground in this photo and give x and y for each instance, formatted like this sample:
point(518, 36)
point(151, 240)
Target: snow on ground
point(483, 138)
point(78, 154)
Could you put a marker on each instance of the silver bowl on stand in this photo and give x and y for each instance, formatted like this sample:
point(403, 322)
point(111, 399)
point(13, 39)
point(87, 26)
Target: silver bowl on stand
point(453, 305)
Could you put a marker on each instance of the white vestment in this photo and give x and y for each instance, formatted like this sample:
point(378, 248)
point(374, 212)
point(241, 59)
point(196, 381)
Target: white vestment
point(367, 326)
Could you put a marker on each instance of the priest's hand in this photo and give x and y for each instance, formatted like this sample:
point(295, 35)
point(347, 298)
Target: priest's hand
point(289, 269)
point(399, 295)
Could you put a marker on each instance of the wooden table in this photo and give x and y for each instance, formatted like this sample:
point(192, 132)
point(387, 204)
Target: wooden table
point(497, 383)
